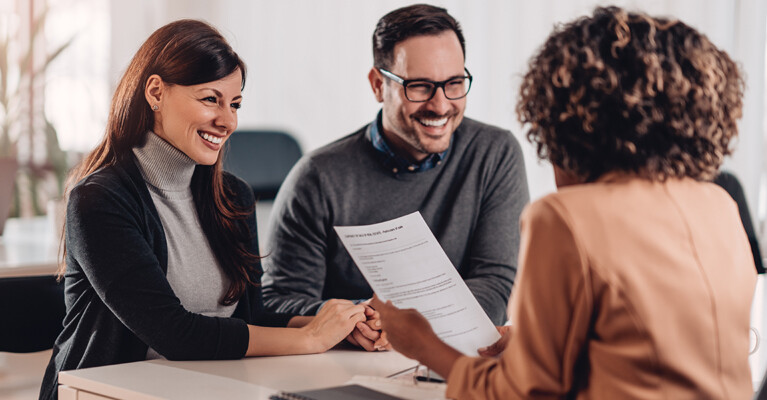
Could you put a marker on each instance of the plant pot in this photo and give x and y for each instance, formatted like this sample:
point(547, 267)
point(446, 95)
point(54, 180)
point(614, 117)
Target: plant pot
point(8, 169)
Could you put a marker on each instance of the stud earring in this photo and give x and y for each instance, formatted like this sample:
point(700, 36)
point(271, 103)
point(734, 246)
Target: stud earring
point(155, 107)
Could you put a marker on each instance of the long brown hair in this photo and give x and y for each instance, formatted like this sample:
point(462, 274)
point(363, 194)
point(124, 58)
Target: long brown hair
point(185, 52)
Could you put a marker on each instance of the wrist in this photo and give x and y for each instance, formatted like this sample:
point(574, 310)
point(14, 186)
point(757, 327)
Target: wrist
point(310, 340)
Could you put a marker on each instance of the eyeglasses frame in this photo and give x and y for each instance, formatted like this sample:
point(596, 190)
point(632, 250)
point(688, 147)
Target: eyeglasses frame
point(404, 82)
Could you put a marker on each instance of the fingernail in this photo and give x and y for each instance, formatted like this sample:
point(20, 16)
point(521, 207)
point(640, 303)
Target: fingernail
point(378, 323)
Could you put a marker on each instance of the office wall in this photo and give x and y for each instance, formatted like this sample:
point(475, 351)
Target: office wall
point(308, 60)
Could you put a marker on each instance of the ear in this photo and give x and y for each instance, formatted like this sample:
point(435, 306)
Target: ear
point(376, 83)
point(153, 90)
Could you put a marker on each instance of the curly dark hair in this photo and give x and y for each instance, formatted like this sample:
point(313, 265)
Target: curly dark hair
point(623, 91)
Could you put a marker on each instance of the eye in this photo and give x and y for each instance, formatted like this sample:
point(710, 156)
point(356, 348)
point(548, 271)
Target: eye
point(210, 99)
point(236, 106)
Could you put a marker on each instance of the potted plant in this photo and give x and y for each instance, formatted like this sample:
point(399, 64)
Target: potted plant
point(23, 122)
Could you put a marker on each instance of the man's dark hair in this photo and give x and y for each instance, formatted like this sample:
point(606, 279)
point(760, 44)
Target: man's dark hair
point(406, 22)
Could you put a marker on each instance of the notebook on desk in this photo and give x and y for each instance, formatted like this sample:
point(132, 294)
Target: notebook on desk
point(347, 392)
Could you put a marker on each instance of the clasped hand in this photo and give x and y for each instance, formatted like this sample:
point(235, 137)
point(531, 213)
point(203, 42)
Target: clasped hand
point(367, 334)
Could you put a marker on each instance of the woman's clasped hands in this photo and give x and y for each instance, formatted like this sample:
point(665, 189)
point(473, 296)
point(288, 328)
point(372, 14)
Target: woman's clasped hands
point(334, 322)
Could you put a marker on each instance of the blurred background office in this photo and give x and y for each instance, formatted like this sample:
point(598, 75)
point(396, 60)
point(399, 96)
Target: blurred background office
point(308, 62)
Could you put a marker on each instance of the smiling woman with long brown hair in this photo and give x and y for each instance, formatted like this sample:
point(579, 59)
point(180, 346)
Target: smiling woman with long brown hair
point(636, 277)
point(161, 252)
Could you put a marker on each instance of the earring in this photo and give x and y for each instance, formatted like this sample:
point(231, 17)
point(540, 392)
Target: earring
point(155, 107)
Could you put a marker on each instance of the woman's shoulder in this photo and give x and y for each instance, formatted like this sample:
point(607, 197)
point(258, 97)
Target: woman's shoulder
point(116, 181)
point(241, 190)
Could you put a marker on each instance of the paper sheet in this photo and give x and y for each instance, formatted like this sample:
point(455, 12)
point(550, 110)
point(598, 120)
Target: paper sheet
point(403, 262)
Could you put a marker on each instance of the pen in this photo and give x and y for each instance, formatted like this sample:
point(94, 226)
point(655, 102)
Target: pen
point(428, 379)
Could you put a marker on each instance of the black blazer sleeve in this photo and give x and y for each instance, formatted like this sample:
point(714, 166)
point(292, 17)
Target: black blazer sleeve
point(106, 238)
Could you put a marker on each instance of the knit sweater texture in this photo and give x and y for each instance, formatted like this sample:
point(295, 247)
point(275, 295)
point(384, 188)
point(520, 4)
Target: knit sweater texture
point(193, 270)
point(471, 201)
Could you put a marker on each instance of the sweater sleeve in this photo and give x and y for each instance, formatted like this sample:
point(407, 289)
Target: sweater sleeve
point(492, 265)
point(551, 311)
point(295, 265)
point(106, 236)
point(254, 314)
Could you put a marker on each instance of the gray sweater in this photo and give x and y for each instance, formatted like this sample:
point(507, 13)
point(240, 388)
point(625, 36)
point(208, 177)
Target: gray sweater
point(193, 270)
point(471, 201)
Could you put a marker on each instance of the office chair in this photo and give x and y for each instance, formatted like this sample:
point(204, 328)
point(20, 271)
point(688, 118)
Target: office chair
point(31, 313)
point(761, 392)
point(261, 158)
point(731, 184)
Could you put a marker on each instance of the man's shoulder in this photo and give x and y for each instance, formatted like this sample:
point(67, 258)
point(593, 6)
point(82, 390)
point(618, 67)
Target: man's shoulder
point(342, 146)
point(345, 149)
point(485, 134)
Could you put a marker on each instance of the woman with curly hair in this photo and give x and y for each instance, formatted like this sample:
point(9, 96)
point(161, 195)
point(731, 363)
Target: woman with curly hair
point(636, 276)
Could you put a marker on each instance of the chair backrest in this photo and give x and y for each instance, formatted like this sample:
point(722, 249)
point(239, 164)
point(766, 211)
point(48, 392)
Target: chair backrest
point(31, 313)
point(732, 185)
point(261, 158)
point(761, 391)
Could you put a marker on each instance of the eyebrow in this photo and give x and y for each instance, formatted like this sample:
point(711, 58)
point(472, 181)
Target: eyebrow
point(432, 80)
point(219, 94)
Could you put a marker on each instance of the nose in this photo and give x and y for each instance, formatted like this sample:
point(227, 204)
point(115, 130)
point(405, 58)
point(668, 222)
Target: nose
point(439, 103)
point(227, 119)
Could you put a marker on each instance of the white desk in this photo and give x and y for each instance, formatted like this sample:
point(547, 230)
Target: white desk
point(251, 378)
point(28, 247)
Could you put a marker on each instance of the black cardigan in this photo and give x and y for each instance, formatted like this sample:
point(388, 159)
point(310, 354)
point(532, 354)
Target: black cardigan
point(118, 299)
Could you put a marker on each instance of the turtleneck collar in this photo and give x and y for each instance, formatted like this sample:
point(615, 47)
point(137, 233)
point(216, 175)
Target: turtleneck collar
point(166, 169)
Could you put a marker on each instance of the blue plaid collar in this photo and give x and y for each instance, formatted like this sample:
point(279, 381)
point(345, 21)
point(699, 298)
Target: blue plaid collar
point(397, 163)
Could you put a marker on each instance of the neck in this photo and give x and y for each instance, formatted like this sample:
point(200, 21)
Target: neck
point(401, 147)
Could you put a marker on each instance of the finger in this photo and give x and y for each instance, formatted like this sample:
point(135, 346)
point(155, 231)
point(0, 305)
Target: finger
point(362, 341)
point(374, 324)
point(357, 318)
point(352, 340)
point(494, 349)
point(376, 303)
point(504, 329)
point(382, 343)
point(365, 330)
point(352, 310)
point(369, 311)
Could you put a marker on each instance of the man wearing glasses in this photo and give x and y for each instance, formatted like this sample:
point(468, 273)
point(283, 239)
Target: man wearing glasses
point(420, 154)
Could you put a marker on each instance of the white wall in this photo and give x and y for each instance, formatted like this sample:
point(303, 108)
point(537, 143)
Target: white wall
point(308, 60)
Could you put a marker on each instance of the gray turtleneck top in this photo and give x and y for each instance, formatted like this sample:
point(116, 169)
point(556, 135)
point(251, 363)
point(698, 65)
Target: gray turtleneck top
point(193, 271)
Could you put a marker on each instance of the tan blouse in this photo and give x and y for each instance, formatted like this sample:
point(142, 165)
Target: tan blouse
point(628, 289)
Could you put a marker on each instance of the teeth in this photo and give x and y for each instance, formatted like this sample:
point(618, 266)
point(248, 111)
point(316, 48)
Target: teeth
point(210, 138)
point(433, 122)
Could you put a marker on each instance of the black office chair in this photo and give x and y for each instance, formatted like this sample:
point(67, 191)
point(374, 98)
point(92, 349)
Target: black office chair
point(731, 184)
point(31, 313)
point(761, 391)
point(261, 158)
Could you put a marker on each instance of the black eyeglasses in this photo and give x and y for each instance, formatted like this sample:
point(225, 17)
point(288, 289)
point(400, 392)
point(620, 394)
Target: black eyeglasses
point(421, 90)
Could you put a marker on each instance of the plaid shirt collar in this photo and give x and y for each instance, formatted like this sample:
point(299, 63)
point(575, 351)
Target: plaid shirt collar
point(396, 163)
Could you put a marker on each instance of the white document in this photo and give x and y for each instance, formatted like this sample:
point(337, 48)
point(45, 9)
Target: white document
point(403, 262)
